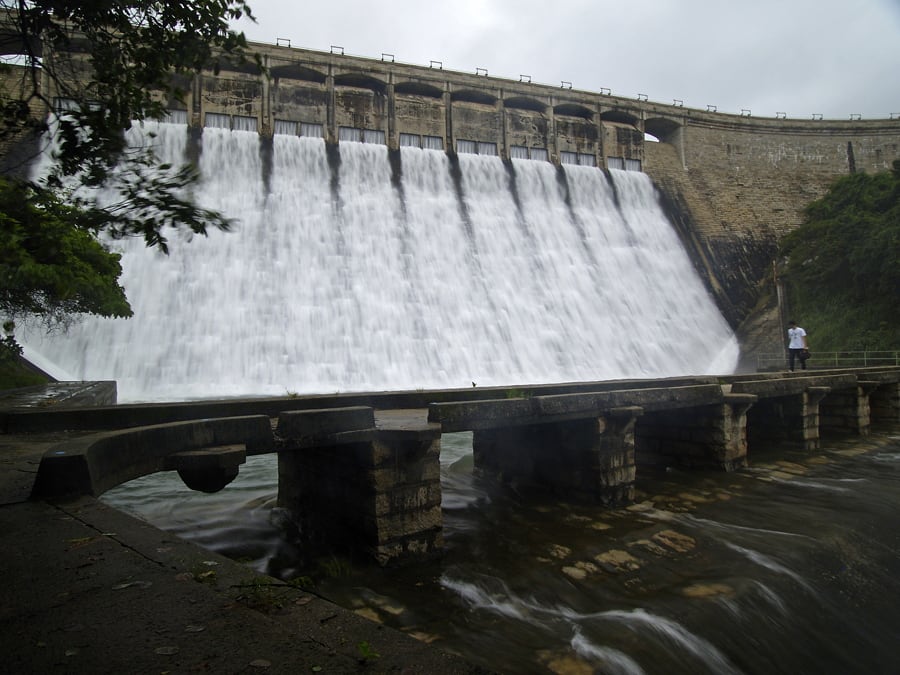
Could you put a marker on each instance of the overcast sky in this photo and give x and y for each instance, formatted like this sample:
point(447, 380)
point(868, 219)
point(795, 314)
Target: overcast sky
point(830, 57)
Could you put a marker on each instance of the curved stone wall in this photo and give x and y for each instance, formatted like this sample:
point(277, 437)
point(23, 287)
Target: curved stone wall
point(734, 189)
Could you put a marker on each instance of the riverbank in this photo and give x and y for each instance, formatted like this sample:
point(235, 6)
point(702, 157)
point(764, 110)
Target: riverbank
point(89, 589)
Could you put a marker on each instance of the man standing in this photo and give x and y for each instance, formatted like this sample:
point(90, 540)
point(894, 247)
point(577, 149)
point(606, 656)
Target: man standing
point(796, 345)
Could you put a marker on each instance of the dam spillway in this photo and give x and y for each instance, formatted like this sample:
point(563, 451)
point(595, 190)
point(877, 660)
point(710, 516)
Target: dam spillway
point(349, 272)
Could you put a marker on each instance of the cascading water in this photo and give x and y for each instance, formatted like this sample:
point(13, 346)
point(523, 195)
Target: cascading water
point(338, 277)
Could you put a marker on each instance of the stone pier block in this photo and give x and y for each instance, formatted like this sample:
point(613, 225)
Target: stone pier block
point(792, 419)
point(846, 411)
point(701, 436)
point(884, 403)
point(590, 459)
point(374, 492)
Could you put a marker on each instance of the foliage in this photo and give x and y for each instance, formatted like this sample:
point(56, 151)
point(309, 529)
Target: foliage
point(12, 372)
point(843, 264)
point(367, 652)
point(14, 375)
point(113, 63)
point(51, 263)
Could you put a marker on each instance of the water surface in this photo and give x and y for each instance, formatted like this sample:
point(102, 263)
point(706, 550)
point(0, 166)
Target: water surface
point(790, 566)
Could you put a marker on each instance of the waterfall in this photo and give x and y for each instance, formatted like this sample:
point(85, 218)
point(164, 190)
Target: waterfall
point(343, 276)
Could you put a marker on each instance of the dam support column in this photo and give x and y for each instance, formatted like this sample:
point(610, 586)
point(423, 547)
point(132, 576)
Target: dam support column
point(786, 419)
point(846, 411)
point(331, 133)
point(710, 436)
point(884, 403)
point(589, 459)
point(352, 487)
point(449, 135)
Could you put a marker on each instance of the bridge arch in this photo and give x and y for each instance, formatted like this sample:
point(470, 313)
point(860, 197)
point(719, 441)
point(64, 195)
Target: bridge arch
point(662, 128)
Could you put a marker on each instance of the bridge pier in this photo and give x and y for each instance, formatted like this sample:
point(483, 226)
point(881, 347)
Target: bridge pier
point(884, 403)
point(589, 459)
point(711, 436)
point(792, 418)
point(846, 410)
point(358, 488)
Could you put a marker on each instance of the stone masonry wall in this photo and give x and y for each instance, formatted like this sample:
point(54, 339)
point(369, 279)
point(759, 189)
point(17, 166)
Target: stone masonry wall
point(733, 190)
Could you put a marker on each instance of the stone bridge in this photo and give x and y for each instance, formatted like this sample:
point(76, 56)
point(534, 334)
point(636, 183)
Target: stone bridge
point(362, 471)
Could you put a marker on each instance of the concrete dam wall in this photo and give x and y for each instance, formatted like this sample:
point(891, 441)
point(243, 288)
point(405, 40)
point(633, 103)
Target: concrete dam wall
point(732, 184)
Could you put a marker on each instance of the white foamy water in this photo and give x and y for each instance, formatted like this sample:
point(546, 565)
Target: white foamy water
point(367, 287)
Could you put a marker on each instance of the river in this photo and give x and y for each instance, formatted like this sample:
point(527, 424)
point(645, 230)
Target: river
point(790, 566)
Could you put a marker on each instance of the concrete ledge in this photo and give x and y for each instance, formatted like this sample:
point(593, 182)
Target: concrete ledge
point(301, 423)
point(93, 464)
point(792, 386)
point(52, 396)
point(483, 414)
point(651, 399)
point(325, 427)
point(17, 419)
point(218, 457)
point(490, 414)
point(741, 402)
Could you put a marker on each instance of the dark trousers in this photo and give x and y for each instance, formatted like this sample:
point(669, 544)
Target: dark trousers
point(795, 354)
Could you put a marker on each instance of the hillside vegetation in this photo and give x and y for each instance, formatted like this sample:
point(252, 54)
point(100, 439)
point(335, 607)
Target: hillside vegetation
point(842, 268)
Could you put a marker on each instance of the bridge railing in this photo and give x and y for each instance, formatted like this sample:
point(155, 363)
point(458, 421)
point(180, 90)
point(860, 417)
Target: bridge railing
point(841, 359)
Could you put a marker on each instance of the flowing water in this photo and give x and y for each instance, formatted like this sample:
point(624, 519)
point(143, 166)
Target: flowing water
point(791, 566)
point(349, 272)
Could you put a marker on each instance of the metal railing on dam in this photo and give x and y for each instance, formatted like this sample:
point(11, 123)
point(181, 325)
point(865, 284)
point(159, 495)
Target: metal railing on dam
point(836, 359)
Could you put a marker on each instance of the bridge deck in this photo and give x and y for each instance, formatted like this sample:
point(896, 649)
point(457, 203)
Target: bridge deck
point(406, 419)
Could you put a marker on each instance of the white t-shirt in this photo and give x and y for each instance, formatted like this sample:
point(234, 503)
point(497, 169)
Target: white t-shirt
point(796, 336)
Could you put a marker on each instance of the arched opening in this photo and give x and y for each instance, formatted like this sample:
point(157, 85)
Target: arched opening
point(574, 110)
point(662, 129)
point(525, 103)
point(360, 81)
point(247, 67)
point(297, 72)
point(418, 89)
point(620, 117)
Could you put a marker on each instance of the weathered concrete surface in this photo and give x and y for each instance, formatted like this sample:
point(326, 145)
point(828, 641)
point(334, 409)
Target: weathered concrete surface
point(21, 415)
point(363, 481)
point(543, 409)
point(41, 397)
point(776, 387)
point(90, 589)
point(586, 459)
point(93, 464)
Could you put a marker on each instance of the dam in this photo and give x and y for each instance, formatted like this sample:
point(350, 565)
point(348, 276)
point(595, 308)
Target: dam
point(503, 155)
point(351, 269)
